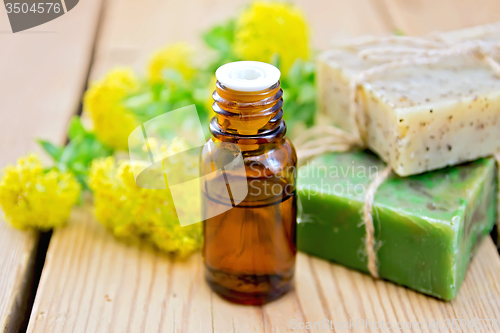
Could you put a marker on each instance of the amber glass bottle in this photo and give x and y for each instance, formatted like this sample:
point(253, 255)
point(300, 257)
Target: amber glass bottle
point(249, 249)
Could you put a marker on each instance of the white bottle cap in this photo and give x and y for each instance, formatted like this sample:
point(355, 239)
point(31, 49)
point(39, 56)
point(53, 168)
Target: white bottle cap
point(247, 75)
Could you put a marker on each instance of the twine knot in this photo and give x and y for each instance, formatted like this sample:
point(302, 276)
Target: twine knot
point(405, 51)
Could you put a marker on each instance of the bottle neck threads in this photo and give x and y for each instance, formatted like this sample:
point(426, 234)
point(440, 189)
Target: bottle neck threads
point(248, 115)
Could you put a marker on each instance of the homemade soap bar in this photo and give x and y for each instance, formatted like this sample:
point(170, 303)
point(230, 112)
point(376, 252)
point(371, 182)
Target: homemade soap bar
point(418, 118)
point(426, 226)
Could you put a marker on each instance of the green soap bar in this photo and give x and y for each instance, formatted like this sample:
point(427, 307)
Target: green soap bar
point(426, 226)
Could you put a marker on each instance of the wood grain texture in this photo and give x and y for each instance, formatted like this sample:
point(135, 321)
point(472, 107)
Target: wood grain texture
point(43, 73)
point(123, 41)
point(93, 283)
point(132, 29)
point(418, 17)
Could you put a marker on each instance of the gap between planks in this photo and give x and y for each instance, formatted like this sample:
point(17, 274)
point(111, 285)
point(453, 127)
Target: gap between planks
point(123, 43)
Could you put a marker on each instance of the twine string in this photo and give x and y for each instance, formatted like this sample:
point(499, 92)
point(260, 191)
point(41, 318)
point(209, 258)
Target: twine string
point(407, 51)
point(368, 219)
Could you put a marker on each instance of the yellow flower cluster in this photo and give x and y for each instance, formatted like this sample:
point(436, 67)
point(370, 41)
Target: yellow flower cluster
point(176, 56)
point(134, 213)
point(267, 29)
point(31, 198)
point(210, 101)
point(103, 101)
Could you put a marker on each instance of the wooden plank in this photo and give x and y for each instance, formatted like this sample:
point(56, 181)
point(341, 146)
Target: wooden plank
point(418, 17)
point(43, 73)
point(92, 283)
point(132, 30)
point(17, 255)
point(353, 295)
point(148, 292)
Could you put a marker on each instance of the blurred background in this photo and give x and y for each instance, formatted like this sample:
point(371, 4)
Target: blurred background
point(44, 70)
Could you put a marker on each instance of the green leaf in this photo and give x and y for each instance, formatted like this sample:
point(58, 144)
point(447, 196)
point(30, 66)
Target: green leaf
point(69, 153)
point(294, 75)
point(307, 93)
point(138, 101)
point(156, 88)
point(75, 128)
point(173, 76)
point(221, 37)
point(87, 149)
point(275, 60)
point(79, 169)
point(398, 32)
point(53, 151)
point(79, 153)
point(309, 67)
point(82, 179)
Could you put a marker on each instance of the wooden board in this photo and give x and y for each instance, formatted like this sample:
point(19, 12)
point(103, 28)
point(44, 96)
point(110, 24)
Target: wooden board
point(132, 29)
point(92, 283)
point(43, 73)
point(418, 17)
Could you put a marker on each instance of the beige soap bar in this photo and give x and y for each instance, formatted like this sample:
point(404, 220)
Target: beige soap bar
point(418, 118)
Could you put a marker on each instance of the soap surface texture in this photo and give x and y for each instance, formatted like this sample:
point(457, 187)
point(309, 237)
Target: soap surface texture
point(417, 117)
point(426, 226)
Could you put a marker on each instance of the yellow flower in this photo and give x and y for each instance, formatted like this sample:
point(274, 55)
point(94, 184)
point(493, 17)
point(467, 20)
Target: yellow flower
point(31, 198)
point(267, 29)
point(176, 56)
point(133, 213)
point(209, 101)
point(103, 101)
